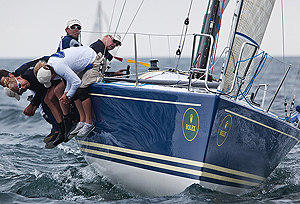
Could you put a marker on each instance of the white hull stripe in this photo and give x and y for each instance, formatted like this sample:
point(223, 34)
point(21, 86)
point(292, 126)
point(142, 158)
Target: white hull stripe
point(146, 100)
point(170, 167)
point(266, 126)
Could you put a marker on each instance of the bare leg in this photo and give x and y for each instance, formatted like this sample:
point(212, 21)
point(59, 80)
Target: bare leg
point(59, 91)
point(52, 102)
point(80, 109)
point(87, 106)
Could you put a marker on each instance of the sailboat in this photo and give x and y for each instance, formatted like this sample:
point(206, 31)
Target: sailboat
point(161, 131)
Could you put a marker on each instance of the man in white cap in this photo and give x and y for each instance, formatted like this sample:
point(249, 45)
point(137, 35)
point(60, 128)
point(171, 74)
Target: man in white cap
point(72, 38)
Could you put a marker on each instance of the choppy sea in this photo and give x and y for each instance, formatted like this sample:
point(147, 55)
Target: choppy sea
point(29, 173)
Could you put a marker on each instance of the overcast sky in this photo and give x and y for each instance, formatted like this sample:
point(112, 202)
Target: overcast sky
point(33, 28)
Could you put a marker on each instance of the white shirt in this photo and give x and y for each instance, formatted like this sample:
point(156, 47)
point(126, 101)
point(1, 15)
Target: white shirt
point(70, 61)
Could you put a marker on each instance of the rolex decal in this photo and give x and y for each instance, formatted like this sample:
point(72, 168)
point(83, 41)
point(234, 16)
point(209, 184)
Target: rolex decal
point(190, 124)
point(224, 130)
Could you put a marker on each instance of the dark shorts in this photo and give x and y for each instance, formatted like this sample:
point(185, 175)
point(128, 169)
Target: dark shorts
point(55, 82)
point(82, 94)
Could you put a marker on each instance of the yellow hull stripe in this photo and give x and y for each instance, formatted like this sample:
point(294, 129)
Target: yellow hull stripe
point(146, 100)
point(266, 126)
point(173, 159)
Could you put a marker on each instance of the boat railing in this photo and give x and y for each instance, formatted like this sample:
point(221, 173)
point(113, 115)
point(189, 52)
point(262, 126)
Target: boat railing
point(193, 69)
point(253, 95)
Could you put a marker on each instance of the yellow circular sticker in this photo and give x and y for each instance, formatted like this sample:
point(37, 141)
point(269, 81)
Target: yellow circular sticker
point(190, 124)
point(224, 130)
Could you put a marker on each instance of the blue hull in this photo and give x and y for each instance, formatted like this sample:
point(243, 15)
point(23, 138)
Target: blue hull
point(192, 137)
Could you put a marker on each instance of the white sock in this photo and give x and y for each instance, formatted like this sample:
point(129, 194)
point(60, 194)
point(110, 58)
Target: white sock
point(89, 125)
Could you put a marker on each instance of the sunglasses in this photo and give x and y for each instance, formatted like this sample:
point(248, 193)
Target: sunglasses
point(19, 86)
point(117, 42)
point(73, 27)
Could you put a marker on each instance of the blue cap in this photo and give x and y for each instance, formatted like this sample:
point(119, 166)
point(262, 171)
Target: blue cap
point(298, 108)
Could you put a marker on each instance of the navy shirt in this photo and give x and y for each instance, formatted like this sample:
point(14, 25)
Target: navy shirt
point(68, 41)
point(99, 46)
point(29, 64)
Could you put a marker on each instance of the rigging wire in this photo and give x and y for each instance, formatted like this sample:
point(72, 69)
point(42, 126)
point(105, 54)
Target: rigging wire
point(282, 29)
point(112, 14)
point(121, 14)
point(169, 49)
point(183, 36)
point(186, 23)
point(110, 23)
point(149, 37)
point(131, 22)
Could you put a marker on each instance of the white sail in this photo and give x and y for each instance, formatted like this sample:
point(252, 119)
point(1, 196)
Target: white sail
point(251, 22)
point(97, 27)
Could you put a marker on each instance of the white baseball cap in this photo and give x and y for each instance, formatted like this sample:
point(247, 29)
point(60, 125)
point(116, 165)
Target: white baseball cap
point(44, 77)
point(117, 37)
point(10, 93)
point(73, 22)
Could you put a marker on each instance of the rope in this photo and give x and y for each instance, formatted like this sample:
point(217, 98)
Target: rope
point(258, 70)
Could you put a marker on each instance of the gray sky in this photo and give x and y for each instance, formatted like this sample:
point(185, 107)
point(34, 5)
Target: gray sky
point(33, 28)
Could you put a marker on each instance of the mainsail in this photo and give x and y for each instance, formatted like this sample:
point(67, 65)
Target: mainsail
point(251, 20)
point(97, 27)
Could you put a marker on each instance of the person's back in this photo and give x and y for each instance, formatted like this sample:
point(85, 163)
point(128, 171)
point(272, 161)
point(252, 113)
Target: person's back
point(76, 59)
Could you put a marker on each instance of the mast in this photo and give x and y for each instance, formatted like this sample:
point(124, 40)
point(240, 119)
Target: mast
point(210, 26)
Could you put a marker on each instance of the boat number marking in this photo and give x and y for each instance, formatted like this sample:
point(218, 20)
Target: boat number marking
point(190, 124)
point(224, 129)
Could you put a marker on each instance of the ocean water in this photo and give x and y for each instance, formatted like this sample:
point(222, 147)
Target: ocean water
point(29, 173)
